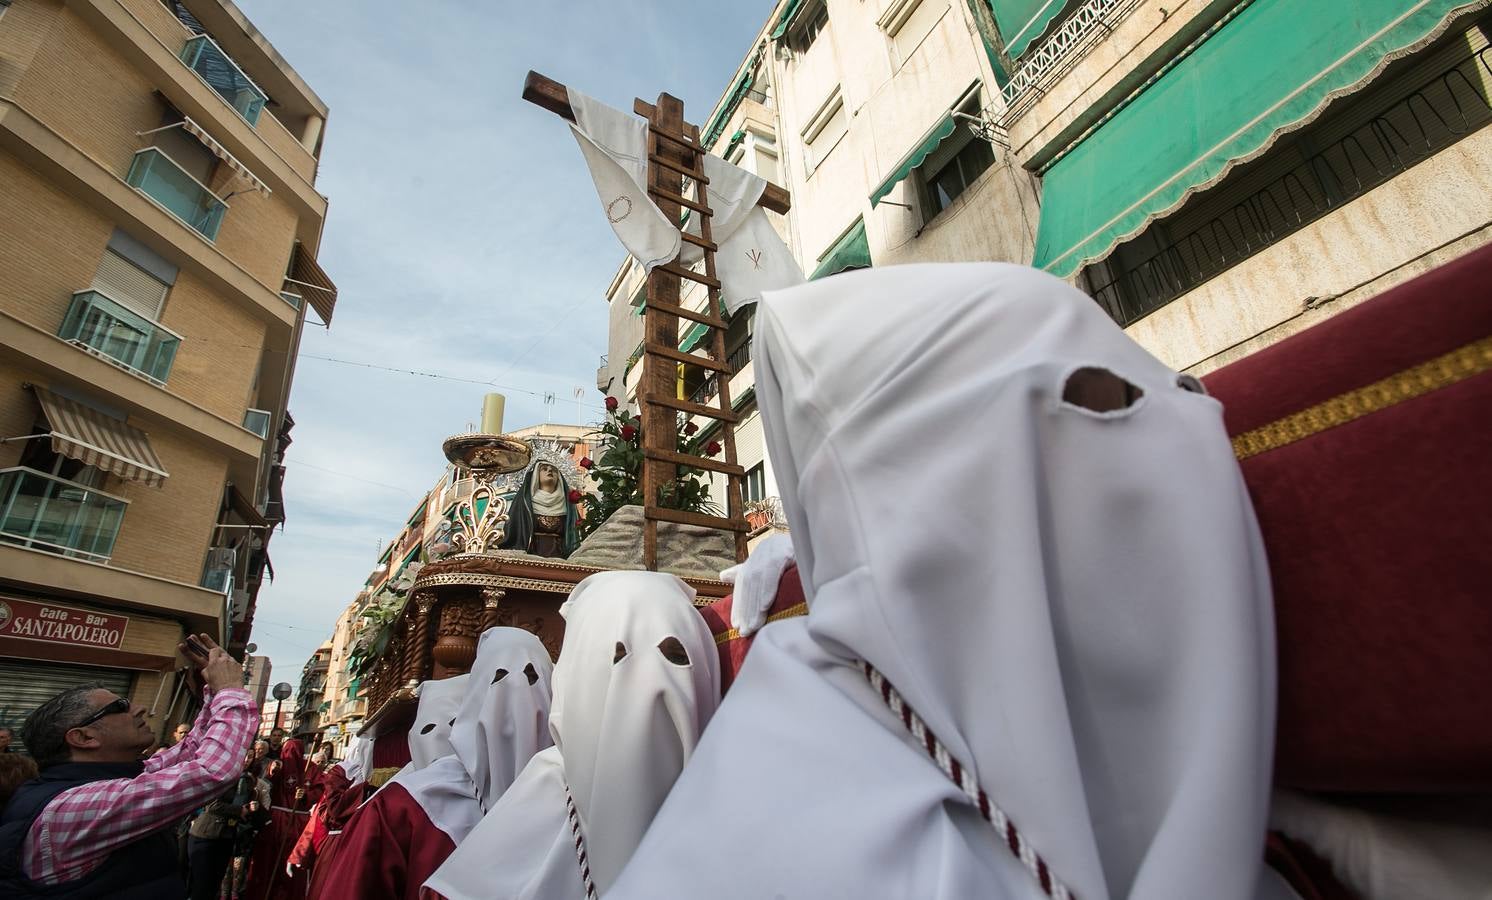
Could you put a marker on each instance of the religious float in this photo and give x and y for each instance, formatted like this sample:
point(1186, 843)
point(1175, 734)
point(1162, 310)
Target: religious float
point(505, 556)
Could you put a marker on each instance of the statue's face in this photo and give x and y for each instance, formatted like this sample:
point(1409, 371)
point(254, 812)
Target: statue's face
point(548, 478)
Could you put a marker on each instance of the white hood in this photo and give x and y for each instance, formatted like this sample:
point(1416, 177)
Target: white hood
point(625, 720)
point(1075, 602)
point(430, 735)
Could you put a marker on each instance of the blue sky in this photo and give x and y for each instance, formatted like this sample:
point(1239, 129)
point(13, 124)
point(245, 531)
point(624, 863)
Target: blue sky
point(465, 240)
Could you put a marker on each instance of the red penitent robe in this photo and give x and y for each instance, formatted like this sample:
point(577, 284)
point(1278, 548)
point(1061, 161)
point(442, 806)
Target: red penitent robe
point(288, 817)
point(386, 851)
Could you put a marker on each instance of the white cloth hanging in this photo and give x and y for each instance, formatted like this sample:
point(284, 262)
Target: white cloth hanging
point(500, 723)
point(1069, 590)
point(637, 679)
point(615, 146)
point(751, 257)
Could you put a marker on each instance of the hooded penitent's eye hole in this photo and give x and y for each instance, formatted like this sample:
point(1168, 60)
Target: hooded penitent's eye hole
point(1099, 390)
point(1190, 383)
point(621, 651)
point(452, 723)
point(499, 675)
point(531, 673)
point(673, 651)
point(428, 728)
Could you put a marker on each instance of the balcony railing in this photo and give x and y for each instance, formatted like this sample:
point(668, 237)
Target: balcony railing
point(106, 328)
point(708, 388)
point(203, 56)
point(60, 516)
point(158, 177)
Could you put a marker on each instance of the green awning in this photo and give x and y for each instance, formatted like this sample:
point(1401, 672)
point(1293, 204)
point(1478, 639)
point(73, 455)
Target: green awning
point(716, 126)
point(785, 21)
point(1023, 21)
point(693, 336)
point(1264, 68)
point(849, 252)
point(927, 145)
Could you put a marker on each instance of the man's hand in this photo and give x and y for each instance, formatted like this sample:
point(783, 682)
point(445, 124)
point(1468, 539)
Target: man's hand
point(220, 670)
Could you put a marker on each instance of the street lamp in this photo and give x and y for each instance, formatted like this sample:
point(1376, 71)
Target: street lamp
point(280, 692)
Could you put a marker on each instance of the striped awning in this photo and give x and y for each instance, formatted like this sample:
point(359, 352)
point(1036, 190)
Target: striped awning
point(306, 273)
point(95, 439)
point(240, 171)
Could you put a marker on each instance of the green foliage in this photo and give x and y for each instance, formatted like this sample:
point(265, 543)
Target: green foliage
point(618, 473)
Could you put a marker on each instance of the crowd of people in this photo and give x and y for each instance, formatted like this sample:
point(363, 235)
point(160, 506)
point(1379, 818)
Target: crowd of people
point(1059, 685)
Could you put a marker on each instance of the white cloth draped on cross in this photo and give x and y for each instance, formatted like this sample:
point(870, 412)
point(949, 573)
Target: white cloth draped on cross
point(752, 258)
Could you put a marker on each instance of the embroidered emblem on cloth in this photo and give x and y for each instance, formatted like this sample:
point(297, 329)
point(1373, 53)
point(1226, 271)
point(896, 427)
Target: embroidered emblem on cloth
point(580, 856)
point(960, 776)
point(618, 209)
point(756, 258)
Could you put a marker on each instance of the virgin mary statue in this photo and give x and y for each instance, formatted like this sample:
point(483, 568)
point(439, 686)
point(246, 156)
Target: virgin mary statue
point(542, 520)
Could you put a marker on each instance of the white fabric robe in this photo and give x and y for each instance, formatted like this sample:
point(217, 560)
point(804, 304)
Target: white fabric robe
point(625, 720)
point(1075, 602)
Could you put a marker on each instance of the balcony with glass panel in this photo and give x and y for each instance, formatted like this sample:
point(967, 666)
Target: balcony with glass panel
point(48, 513)
point(158, 177)
point(203, 56)
point(106, 328)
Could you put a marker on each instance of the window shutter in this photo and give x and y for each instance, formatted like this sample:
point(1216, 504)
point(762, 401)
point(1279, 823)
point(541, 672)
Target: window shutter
point(130, 285)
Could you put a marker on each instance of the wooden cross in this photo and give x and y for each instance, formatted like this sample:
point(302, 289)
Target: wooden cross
point(674, 152)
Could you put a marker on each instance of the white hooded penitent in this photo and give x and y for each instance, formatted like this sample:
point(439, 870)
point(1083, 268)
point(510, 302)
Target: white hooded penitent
point(1037, 533)
point(430, 735)
point(637, 679)
point(501, 722)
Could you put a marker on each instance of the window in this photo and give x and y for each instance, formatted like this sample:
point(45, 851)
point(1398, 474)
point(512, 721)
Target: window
point(811, 23)
point(756, 482)
point(908, 22)
point(129, 285)
point(825, 130)
point(765, 151)
point(954, 176)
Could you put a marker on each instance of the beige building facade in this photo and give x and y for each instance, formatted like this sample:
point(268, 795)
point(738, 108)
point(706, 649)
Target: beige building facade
point(1212, 192)
point(157, 185)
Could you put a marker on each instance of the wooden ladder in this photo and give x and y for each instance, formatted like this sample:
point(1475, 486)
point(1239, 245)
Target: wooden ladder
point(674, 152)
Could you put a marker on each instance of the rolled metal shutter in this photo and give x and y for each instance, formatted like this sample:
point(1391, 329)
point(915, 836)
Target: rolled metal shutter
point(24, 686)
point(130, 285)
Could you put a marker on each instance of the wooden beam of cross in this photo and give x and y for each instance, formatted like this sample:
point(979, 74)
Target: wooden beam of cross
point(673, 153)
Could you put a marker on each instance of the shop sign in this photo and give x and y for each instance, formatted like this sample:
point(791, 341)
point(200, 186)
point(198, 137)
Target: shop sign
point(33, 621)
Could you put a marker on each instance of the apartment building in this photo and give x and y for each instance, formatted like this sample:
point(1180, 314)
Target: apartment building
point(310, 703)
point(1217, 174)
point(157, 185)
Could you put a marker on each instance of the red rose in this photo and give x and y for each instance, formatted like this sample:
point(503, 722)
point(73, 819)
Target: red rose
point(611, 404)
point(690, 428)
point(585, 462)
point(628, 432)
point(574, 495)
point(712, 448)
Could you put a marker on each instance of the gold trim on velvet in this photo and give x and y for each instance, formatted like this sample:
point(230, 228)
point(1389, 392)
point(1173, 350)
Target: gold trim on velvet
point(725, 637)
point(1442, 371)
point(381, 776)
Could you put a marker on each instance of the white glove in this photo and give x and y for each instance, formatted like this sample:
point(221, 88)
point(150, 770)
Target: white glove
point(755, 582)
point(289, 870)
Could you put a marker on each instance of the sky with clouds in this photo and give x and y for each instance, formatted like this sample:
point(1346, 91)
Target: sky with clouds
point(466, 241)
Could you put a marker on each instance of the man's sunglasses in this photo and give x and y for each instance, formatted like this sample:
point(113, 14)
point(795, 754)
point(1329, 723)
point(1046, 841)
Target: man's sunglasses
point(108, 709)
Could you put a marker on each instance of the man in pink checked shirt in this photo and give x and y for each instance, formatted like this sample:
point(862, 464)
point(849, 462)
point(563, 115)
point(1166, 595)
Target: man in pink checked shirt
point(98, 822)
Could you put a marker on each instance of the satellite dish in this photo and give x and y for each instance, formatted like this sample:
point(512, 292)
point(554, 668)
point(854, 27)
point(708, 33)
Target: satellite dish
point(251, 648)
point(282, 690)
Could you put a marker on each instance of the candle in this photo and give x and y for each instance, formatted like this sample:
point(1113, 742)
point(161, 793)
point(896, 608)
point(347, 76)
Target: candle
point(492, 414)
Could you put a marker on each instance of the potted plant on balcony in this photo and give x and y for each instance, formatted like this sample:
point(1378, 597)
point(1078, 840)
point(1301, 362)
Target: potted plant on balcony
point(763, 513)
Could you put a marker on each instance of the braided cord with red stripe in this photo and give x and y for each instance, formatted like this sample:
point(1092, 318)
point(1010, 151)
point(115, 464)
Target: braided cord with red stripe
point(959, 775)
point(580, 854)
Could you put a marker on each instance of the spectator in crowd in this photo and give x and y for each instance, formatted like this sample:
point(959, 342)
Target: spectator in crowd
point(276, 741)
point(255, 784)
point(5, 739)
point(180, 732)
point(15, 770)
point(97, 821)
